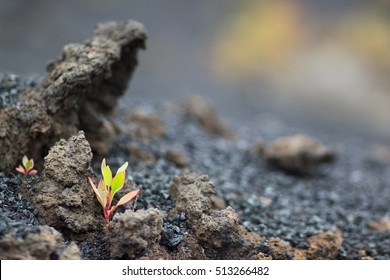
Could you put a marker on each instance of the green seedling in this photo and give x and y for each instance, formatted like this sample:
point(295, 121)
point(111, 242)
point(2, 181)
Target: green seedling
point(27, 168)
point(109, 186)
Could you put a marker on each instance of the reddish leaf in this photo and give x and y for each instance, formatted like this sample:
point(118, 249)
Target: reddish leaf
point(33, 172)
point(95, 190)
point(20, 169)
point(126, 198)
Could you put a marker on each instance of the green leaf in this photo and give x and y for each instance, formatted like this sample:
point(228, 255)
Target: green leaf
point(29, 164)
point(107, 176)
point(122, 168)
point(103, 166)
point(117, 183)
point(24, 161)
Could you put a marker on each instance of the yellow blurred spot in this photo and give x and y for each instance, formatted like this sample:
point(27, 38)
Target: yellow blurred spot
point(368, 35)
point(262, 37)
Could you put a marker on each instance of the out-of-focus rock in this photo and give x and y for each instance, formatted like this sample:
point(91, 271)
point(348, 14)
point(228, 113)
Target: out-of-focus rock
point(298, 153)
point(62, 196)
point(195, 107)
point(144, 126)
point(45, 245)
point(383, 225)
point(364, 255)
point(135, 234)
point(177, 157)
point(323, 246)
point(380, 154)
point(218, 232)
point(257, 147)
point(79, 91)
point(136, 152)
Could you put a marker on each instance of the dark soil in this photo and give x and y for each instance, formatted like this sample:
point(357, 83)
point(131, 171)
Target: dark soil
point(335, 203)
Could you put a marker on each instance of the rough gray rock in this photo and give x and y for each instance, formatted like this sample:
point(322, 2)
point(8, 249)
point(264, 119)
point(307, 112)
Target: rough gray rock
point(218, 231)
point(79, 90)
point(45, 245)
point(135, 234)
point(61, 195)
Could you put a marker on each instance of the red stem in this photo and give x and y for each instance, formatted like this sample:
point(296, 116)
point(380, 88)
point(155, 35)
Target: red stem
point(107, 213)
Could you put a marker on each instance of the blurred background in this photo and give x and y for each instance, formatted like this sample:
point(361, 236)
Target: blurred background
point(309, 61)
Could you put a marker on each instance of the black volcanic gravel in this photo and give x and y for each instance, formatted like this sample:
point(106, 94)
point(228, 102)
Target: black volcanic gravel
point(348, 194)
point(11, 85)
point(16, 214)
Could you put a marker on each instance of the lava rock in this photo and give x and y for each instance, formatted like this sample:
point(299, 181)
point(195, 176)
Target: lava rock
point(45, 245)
point(61, 195)
point(135, 234)
point(217, 202)
point(171, 235)
point(218, 232)
point(298, 153)
point(192, 195)
point(78, 92)
point(323, 246)
point(280, 249)
point(174, 230)
point(189, 249)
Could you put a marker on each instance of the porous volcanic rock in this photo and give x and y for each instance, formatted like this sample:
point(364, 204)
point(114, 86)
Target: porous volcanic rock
point(275, 248)
point(79, 91)
point(323, 246)
point(44, 245)
point(280, 249)
point(189, 249)
point(135, 234)
point(61, 195)
point(218, 231)
point(298, 153)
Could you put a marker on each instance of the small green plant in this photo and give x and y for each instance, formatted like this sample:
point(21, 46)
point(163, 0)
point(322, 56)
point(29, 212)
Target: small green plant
point(109, 186)
point(27, 168)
